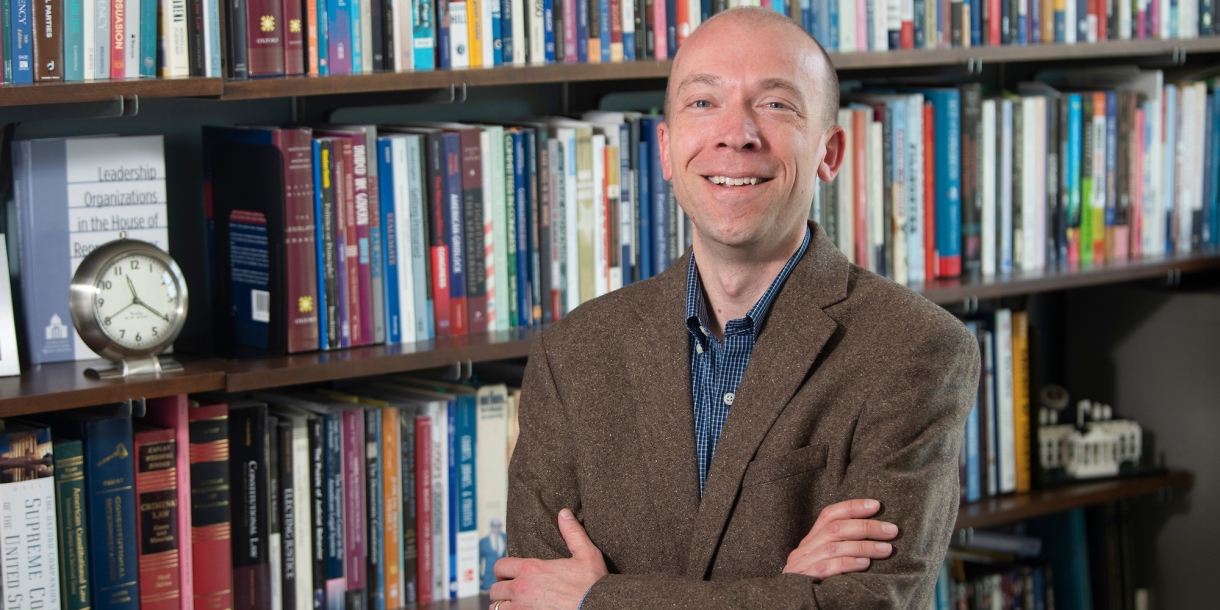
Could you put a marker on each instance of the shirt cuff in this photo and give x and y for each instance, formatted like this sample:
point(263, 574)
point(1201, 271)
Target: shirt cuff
point(583, 597)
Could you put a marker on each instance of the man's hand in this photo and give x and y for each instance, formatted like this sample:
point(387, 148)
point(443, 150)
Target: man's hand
point(558, 584)
point(842, 540)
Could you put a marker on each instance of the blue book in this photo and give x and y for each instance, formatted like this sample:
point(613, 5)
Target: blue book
point(832, 27)
point(451, 463)
point(1075, 145)
point(357, 40)
point(213, 60)
point(425, 52)
point(324, 335)
point(807, 16)
point(507, 48)
point(970, 447)
point(671, 25)
point(323, 36)
point(644, 214)
point(582, 32)
point(1022, 37)
point(1065, 545)
point(148, 38)
point(626, 202)
point(1171, 144)
point(389, 239)
point(74, 41)
point(1035, 22)
point(454, 222)
point(921, 19)
point(946, 108)
point(548, 31)
point(603, 25)
point(20, 43)
point(705, 10)
point(1213, 204)
point(521, 199)
point(1111, 156)
point(1060, 27)
point(109, 460)
point(659, 188)
point(976, 23)
point(443, 59)
point(339, 36)
point(466, 530)
point(1082, 21)
point(497, 31)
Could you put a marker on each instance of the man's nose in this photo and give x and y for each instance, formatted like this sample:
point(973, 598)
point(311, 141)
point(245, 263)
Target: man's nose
point(739, 129)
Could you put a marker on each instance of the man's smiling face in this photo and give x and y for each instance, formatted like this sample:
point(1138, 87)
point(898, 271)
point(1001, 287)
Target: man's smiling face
point(743, 136)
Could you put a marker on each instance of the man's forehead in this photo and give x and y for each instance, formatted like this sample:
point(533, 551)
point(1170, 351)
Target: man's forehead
point(760, 82)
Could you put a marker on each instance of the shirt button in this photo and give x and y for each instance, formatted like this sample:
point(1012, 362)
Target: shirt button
point(698, 348)
point(728, 398)
point(703, 330)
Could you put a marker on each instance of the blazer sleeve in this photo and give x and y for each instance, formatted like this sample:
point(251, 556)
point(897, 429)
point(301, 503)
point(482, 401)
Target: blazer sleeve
point(904, 454)
point(542, 476)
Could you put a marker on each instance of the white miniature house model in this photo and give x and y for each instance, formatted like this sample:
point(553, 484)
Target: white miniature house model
point(1098, 452)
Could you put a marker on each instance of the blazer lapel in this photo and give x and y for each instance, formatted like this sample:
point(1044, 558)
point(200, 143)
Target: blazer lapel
point(661, 377)
point(793, 335)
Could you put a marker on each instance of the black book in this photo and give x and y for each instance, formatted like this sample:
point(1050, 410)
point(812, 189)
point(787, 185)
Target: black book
point(650, 43)
point(1053, 161)
point(972, 163)
point(641, 45)
point(377, 12)
point(410, 550)
point(250, 481)
point(235, 34)
point(275, 537)
point(317, 504)
point(330, 270)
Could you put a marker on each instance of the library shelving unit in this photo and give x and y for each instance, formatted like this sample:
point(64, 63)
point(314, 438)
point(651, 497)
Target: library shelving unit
point(62, 386)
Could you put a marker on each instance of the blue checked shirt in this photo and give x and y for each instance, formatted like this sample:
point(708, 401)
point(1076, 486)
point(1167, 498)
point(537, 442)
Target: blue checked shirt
point(716, 368)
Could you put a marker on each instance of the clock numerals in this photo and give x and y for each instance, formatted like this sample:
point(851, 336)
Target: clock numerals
point(138, 338)
point(135, 264)
point(118, 270)
point(107, 321)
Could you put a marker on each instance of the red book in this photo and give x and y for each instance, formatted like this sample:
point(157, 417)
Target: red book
point(171, 412)
point(993, 23)
point(118, 37)
point(294, 36)
point(906, 35)
point(860, 166)
point(929, 192)
point(423, 510)
point(264, 37)
point(616, 30)
point(357, 192)
point(345, 208)
point(682, 20)
point(311, 27)
point(157, 517)
point(210, 530)
point(300, 251)
point(569, 32)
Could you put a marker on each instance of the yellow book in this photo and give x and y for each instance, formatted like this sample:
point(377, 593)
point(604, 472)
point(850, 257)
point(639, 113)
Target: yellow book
point(1020, 403)
point(474, 32)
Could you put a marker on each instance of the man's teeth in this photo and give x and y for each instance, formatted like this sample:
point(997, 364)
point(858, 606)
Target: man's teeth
point(726, 181)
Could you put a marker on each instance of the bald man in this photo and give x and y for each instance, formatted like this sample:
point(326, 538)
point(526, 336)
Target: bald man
point(723, 435)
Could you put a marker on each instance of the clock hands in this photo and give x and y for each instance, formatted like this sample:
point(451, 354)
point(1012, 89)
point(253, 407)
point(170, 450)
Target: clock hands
point(135, 300)
point(133, 290)
point(155, 312)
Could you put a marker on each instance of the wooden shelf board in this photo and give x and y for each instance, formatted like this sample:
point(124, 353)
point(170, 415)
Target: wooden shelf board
point(652, 69)
point(104, 90)
point(945, 292)
point(63, 385)
point(243, 376)
point(1006, 509)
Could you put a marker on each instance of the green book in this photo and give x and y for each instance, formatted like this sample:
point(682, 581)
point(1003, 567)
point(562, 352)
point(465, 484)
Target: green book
point(1086, 180)
point(72, 523)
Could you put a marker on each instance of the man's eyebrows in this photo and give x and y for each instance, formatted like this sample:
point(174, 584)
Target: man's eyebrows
point(784, 84)
point(701, 78)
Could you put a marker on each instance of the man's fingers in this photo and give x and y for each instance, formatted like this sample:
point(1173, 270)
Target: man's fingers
point(855, 529)
point(501, 605)
point(574, 535)
point(850, 509)
point(862, 548)
point(508, 568)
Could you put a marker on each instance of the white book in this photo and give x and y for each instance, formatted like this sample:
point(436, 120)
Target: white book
point(1069, 19)
point(1030, 198)
point(987, 182)
point(101, 38)
point(881, 23)
point(488, 9)
point(847, 27)
point(846, 184)
point(417, 217)
point(876, 229)
point(302, 515)
point(1039, 235)
point(628, 13)
point(1124, 20)
point(131, 30)
point(30, 570)
point(899, 198)
point(601, 265)
point(1006, 152)
point(1184, 179)
point(404, 35)
point(366, 37)
point(486, 160)
point(518, 32)
point(915, 222)
point(694, 9)
point(537, 35)
point(492, 479)
point(173, 51)
point(493, 196)
point(211, 38)
point(554, 179)
point(572, 292)
point(1007, 454)
point(402, 249)
point(1164, 10)
point(88, 16)
point(459, 45)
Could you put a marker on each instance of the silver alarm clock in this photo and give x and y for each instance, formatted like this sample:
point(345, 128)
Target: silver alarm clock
point(129, 302)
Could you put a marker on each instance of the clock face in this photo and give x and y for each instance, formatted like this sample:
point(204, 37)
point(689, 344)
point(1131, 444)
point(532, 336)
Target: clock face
point(136, 301)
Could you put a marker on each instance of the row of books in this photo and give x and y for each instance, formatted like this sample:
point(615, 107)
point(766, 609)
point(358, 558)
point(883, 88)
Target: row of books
point(945, 182)
point(356, 235)
point(980, 586)
point(382, 495)
point(996, 449)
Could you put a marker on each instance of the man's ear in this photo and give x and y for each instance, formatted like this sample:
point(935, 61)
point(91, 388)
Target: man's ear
point(667, 169)
point(835, 147)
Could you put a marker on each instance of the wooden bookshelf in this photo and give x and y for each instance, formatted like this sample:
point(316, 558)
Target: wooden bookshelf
point(1016, 507)
point(104, 90)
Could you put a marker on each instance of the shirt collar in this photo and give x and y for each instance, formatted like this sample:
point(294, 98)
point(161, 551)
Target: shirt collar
point(696, 299)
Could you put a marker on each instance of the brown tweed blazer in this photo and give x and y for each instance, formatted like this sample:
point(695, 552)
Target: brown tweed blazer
point(856, 388)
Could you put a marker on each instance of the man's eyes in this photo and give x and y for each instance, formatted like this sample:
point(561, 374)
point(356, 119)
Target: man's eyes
point(777, 105)
point(702, 104)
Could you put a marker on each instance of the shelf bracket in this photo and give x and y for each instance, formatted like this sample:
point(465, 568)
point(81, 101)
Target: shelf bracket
point(322, 109)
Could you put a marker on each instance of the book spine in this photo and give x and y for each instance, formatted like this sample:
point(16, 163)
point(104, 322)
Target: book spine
point(27, 519)
point(1021, 404)
point(987, 418)
point(502, 28)
point(605, 38)
point(390, 241)
point(474, 32)
point(424, 35)
point(300, 250)
point(390, 450)
point(157, 494)
point(264, 37)
point(423, 511)
point(295, 50)
point(110, 480)
point(212, 38)
point(249, 474)
point(346, 242)
point(409, 548)
point(582, 31)
point(438, 228)
point(21, 41)
point(210, 529)
point(335, 513)
point(520, 221)
point(74, 40)
point(455, 233)
point(147, 48)
point(472, 231)
point(354, 542)
point(492, 478)
point(373, 252)
point(444, 58)
point(356, 13)
point(72, 523)
point(321, 26)
point(175, 49)
point(420, 272)
point(971, 488)
point(315, 430)
point(118, 38)
point(131, 38)
point(360, 273)
point(374, 525)
point(570, 39)
point(238, 48)
point(285, 490)
point(537, 39)
point(338, 36)
point(948, 181)
point(466, 482)
point(379, 34)
point(324, 211)
point(1004, 429)
point(48, 40)
point(511, 229)
point(450, 515)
